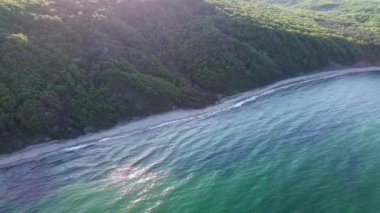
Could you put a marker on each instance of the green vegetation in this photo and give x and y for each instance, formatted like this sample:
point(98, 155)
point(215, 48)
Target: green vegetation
point(72, 66)
point(356, 18)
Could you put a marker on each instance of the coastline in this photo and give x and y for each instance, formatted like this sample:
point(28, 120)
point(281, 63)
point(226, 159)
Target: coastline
point(39, 151)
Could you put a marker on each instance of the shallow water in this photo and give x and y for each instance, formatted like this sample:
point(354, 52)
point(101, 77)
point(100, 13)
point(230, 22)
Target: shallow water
point(310, 146)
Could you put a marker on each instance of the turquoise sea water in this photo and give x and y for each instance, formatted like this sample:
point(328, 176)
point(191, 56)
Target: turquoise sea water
point(305, 147)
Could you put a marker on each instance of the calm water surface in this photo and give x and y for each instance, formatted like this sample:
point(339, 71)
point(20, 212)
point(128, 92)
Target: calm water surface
point(304, 147)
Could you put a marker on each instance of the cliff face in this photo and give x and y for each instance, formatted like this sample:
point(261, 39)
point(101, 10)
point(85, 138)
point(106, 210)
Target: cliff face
point(70, 66)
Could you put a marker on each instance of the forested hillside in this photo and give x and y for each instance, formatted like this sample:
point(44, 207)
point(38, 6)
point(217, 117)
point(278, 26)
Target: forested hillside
point(68, 67)
point(357, 18)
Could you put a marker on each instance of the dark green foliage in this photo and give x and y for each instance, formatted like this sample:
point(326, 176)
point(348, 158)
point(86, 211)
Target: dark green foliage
point(72, 66)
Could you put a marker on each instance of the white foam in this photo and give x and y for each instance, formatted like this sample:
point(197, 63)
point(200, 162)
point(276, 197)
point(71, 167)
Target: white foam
point(74, 148)
point(104, 140)
point(241, 103)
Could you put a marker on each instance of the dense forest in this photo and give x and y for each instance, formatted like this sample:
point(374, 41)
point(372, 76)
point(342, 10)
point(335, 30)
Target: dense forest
point(68, 67)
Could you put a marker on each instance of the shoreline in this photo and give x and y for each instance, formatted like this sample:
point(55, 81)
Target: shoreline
point(36, 152)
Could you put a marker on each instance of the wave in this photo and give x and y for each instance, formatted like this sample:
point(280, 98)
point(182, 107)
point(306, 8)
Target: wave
point(104, 140)
point(241, 103)
point(74, 148)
